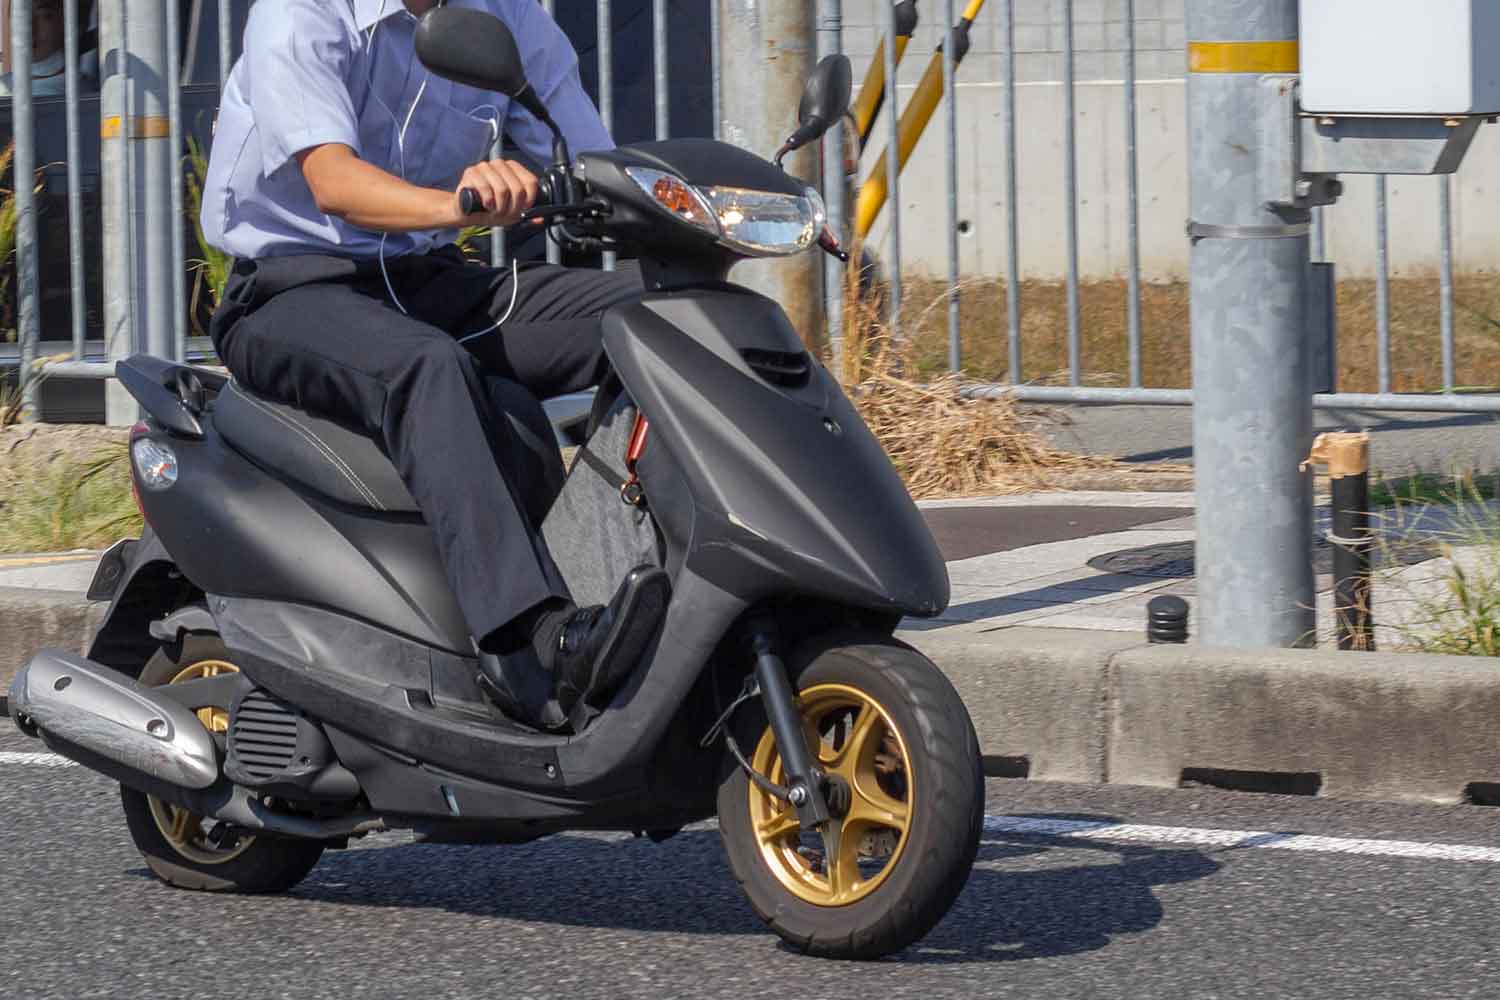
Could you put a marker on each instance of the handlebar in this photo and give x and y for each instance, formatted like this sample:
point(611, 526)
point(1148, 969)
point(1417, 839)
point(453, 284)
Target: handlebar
point(471, 202)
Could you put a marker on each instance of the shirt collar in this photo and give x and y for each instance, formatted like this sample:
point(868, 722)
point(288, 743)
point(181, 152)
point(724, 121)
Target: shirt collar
point(368, 13)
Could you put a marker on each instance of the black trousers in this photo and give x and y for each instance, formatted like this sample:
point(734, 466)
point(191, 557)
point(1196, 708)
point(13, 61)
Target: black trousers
point(322, 333)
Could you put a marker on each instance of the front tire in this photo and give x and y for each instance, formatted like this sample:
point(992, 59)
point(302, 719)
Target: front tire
point(895, 737)
point(174, 843)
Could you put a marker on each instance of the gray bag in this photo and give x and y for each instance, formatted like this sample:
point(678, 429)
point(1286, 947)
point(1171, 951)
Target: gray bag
point(595, 537)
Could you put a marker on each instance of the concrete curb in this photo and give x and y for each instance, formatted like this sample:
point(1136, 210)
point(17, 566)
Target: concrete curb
point(1084, 707)
point(33, 619)
point(1104, 707)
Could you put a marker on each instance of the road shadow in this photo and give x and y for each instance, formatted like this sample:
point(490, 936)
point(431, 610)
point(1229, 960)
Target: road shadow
point(1029, 896)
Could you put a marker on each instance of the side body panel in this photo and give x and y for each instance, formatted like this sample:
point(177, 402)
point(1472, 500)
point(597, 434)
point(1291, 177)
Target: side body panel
point(792, 493)
point(235, 530)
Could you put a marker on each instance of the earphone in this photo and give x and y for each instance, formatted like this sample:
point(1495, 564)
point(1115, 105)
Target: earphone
point(401, 129)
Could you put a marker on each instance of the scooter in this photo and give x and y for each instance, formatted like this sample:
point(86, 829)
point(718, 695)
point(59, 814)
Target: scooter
point(283, 668)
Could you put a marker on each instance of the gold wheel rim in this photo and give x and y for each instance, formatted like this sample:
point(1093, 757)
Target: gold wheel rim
point(181, 828)
point(858, 744)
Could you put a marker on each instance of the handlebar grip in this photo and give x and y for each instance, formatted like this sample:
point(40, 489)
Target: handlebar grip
point(471, 201)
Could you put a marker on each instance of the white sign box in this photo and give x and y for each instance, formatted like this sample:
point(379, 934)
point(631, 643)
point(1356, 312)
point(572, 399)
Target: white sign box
point(1401, 57)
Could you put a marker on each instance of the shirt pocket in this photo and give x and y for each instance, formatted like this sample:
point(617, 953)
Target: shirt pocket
point(456, 141)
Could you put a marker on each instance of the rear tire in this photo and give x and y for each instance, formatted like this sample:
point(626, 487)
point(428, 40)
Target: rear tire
point(259, 864)
point(936, 797)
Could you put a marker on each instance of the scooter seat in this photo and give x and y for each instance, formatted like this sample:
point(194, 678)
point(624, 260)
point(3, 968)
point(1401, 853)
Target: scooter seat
point(327, 457)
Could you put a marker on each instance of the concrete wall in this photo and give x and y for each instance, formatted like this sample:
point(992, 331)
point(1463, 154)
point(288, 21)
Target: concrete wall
point(1103, 192)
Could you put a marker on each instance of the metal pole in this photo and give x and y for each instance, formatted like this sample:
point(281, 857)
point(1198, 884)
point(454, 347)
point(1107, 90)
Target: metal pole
point(716, 59)
point(662, 59)
point(950, 91)
point(79, 301)
point(767, 48)
point(28, 326)
point(1319, 236)
point(893, 165)
point(178, 260)
point(1133, 181)
point(1252, 423)
point(1445, 213)
point(121, 409)
point(154, 161)
point(1382, 286)
point(226, 43)
point(605, 32)
point(498, 255)
point(831, 42)
point(1075, 333)
point(554, 252)
point(1012, 209)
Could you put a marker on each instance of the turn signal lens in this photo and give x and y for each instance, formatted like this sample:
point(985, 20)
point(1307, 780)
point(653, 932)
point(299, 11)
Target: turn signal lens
point(675, 195)
point(155, 463)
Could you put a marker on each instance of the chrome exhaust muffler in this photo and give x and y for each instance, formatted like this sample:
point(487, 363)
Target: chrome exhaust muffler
point(76, 703)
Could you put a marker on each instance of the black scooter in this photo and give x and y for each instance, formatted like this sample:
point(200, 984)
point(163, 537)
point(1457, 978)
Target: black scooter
point(283, 667)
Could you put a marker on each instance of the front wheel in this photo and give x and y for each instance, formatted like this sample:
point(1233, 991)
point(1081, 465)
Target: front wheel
point(907, 789)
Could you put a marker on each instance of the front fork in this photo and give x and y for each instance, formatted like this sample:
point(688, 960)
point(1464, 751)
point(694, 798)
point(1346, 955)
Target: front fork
point(806, 787)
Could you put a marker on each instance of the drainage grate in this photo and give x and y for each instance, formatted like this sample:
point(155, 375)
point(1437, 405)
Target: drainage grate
point(1264, 782)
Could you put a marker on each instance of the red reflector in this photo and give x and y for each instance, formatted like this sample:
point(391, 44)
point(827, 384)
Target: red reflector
point(139, 429)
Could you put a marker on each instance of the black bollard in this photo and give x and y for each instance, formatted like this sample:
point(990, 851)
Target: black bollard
point(1167, 620)
point(1348, 459)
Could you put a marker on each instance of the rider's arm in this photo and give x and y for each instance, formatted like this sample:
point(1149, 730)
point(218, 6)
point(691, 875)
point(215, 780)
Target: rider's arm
point(299, 57)
point(363, 195)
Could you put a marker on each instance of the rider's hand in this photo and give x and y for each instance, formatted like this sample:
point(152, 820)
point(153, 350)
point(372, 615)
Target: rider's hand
point(506, 188)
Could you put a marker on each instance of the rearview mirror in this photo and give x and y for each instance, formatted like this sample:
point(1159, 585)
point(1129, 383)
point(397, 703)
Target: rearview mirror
point(825, 101)
point(476, 49)
point(473, 48)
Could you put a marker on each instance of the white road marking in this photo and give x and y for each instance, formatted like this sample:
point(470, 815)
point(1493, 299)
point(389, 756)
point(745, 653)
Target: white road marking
point(1130, 833)
point(35, 759)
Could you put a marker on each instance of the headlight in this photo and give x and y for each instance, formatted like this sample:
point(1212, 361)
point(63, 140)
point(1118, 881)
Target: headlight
point(676, 196)
point(155, 463)
point(767, 225)
point(756, 223)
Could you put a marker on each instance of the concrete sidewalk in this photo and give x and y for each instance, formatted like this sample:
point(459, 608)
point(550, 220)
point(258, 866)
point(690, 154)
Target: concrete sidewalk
point(1022, 560)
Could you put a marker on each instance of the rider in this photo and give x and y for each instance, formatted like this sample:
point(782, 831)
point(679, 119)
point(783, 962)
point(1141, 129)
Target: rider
point(335, 181)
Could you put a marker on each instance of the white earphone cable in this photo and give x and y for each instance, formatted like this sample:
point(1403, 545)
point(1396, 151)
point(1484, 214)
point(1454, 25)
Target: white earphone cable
point(401, 129)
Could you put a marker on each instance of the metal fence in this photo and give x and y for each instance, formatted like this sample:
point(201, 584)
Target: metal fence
point(144, 123)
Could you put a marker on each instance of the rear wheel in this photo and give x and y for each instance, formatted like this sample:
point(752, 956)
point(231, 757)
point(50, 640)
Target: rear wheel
point(906, 788)
point(180, 847)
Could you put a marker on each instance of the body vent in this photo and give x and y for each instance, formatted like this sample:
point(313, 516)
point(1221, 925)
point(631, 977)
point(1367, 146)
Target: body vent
point(262, 737)
point(780, 368)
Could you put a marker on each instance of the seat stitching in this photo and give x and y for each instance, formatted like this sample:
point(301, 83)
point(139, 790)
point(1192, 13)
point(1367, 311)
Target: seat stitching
point(322, 447)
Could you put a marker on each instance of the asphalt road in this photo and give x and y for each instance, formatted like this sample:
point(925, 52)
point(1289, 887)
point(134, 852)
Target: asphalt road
point(1142, 911)
point(1404, 443)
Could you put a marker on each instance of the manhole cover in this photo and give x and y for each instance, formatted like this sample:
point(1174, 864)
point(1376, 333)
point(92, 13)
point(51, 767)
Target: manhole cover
point(1171, 561)
point(1176, 560)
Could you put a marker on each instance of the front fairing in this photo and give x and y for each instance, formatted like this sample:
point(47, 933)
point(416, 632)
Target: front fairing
point(791, 493)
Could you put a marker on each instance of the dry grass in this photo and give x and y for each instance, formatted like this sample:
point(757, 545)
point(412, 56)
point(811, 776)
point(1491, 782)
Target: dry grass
point(1416, 348)
point(68, 502)
point(942, 444)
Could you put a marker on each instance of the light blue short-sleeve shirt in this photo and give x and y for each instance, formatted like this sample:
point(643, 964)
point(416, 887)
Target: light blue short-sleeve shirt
point(316, 72)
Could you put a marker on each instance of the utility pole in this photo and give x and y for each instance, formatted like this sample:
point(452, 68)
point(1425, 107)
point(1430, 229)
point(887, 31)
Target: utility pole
point(1252, 419)
point(137, 160)
point(831, 42)
point(766, 52)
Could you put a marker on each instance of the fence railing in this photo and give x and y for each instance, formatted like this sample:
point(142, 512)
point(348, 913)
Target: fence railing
point(143, 101)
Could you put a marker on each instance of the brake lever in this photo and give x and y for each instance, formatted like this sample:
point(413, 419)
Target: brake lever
point(830, 245)
point(588, 208)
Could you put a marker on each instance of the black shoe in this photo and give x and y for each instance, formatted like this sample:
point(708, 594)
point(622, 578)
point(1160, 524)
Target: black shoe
point(599, 647)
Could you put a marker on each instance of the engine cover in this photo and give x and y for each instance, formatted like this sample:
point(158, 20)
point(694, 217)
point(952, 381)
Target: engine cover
point(276, 749)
